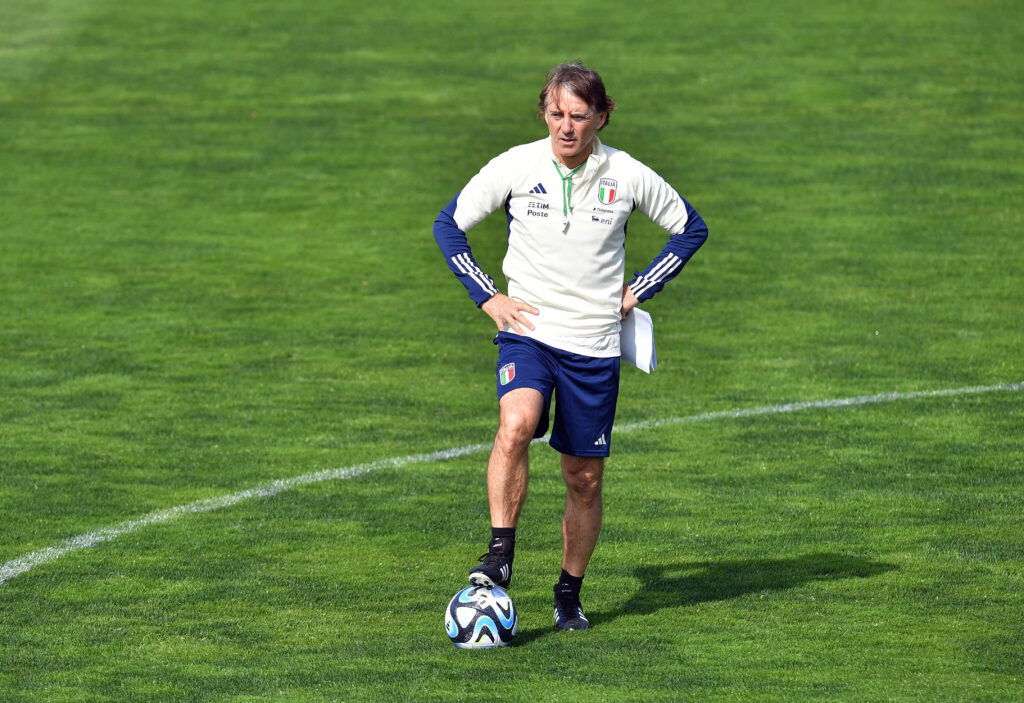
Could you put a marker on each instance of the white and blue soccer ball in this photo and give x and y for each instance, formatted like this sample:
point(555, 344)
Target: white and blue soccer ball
point(481, 618)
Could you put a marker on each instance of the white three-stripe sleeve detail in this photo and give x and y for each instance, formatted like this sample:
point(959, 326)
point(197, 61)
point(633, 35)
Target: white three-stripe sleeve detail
point(664, 268)
point(466, 265)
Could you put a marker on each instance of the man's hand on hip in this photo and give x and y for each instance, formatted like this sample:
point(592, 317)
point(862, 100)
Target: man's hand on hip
point(629, 301)
point(508, 314)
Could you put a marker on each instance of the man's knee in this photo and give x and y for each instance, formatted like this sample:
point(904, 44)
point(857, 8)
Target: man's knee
point(518, 417)
point(583, 475)
point(515, 430)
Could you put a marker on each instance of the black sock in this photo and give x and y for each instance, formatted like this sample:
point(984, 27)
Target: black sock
point(568, 584)
point(503, 539)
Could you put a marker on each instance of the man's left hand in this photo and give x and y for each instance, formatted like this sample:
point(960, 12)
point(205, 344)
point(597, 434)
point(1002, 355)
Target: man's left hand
point(629, 301)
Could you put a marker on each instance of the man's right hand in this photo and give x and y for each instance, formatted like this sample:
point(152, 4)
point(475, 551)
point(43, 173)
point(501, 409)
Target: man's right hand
point(508, 314)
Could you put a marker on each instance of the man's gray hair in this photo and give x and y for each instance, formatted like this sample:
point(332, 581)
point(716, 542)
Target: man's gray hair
point(581, 82)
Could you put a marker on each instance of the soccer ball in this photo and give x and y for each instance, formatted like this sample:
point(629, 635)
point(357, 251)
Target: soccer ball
point(481, 618)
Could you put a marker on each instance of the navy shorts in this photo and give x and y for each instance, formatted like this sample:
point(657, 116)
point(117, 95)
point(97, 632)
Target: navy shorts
point(585, 390)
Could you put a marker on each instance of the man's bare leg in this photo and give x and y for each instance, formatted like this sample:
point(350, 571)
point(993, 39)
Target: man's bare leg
point(581, 523)
point(507, 477)
point(508, 466)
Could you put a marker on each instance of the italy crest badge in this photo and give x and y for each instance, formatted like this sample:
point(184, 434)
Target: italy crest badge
point(606, 188)
point(506, 373)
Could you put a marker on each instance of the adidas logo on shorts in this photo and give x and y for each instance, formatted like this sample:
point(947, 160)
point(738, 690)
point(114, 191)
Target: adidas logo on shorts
point(600, 441)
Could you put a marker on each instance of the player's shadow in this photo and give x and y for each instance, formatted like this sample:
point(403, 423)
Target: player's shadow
point(690, 583)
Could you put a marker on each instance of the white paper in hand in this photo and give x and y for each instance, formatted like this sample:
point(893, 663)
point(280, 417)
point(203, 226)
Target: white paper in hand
point(637, 340)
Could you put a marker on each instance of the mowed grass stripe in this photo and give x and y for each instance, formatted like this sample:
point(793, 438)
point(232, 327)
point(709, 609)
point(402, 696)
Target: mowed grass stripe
point(20, 565)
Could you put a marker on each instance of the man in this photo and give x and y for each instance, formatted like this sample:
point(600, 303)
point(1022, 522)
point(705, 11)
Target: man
point(567, 198)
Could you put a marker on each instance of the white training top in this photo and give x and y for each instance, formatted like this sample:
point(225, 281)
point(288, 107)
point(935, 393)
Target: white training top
point(569, 263)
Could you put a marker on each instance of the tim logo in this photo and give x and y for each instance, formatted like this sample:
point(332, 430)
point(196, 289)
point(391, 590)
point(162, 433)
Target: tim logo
point(606, 188)
point(506, 373)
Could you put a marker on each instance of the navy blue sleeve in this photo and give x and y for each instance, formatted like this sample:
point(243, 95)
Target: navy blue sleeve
point(459, 257)
point(672, 258)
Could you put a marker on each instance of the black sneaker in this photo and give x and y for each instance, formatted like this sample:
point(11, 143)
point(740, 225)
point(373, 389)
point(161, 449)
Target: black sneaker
point(495, 570)
point(568, 611)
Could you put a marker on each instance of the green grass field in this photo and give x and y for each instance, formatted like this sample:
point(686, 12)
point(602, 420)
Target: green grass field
point(217, 272)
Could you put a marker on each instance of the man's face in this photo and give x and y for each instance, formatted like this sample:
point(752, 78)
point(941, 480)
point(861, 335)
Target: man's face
point(572, 125)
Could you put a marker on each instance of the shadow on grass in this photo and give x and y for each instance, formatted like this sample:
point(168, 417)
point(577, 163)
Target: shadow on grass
point(690, 583)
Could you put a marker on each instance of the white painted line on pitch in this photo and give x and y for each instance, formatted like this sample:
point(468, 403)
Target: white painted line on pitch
point(812, 404)
point(20, 565)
